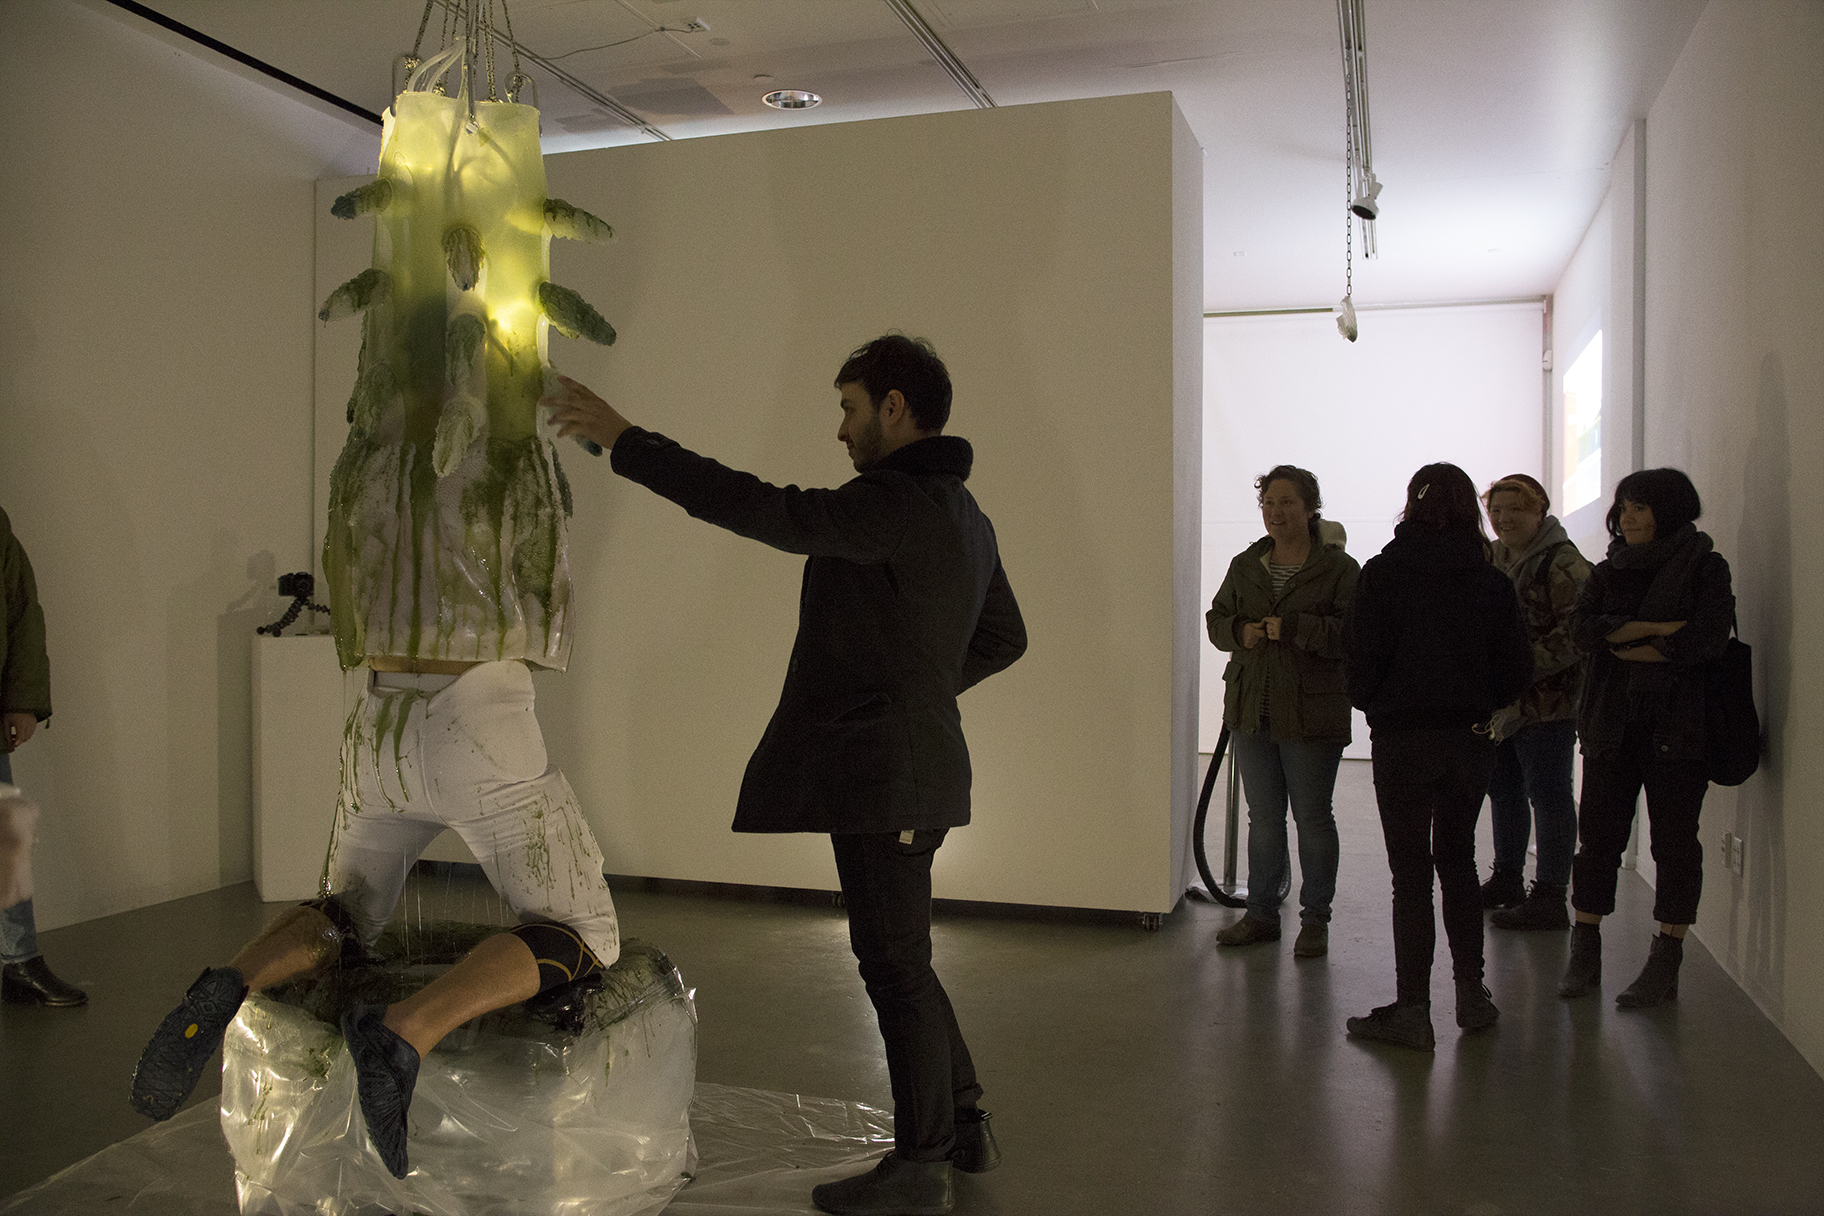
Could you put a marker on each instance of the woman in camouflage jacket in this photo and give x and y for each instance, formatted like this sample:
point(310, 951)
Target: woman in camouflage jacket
point(1536, 735)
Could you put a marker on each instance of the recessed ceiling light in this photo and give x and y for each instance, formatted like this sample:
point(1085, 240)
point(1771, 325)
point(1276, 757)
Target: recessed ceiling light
point(791, 99)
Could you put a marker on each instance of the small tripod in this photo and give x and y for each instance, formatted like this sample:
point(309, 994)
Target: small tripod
point(300, 587)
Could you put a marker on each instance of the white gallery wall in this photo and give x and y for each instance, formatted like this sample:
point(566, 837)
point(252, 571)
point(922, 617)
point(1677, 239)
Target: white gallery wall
point(1053, 255)
point(1734, 374)
point(1420, 385)
point(156, 290)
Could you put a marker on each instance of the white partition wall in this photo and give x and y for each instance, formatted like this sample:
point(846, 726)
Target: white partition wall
point(1052, 253)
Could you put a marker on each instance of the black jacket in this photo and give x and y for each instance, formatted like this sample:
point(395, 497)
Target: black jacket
point(1666, 697)
point(904, 605)
point(1434, 636)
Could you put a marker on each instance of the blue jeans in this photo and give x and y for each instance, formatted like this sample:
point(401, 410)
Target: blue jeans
point(1305, 775)
point(18, 931)
point(1534, 765)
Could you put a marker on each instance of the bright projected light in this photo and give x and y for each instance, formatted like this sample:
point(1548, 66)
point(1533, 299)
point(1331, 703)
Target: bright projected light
point(1583, 427)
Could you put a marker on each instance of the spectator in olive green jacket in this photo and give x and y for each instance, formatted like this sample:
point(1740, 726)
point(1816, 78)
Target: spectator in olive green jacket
point(25, 701)
point(1279, 612)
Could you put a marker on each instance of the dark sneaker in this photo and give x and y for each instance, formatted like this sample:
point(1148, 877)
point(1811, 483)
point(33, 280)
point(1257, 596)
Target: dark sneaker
point(976, 1150)
point(1543, 908)
point(1313, 941)
point(895, 1187)
point(1475, 1008)
point(173, 1061)
point(33, 983)
point(386, 1070)
point(1504, 889)
point(1247, 931)
point(1406, 1025)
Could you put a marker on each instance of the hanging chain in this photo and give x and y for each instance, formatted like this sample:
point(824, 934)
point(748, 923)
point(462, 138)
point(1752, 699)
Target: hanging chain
point(1348, 215)
point(487, 41)
point(513, 83)
point(418, 42)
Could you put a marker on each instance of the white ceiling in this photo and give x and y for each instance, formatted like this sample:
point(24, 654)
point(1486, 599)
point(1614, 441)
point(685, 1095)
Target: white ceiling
point(1493, 120)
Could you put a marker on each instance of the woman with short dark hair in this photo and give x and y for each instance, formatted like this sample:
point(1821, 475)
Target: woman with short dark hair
point(1279, 612)
point(1650, 618)
point(1435, 646)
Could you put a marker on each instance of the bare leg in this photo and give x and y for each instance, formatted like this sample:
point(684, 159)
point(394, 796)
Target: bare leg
point(497, 973)
point(299, 941)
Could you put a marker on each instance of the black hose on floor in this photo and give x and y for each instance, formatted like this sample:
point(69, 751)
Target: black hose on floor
point(1203, 813)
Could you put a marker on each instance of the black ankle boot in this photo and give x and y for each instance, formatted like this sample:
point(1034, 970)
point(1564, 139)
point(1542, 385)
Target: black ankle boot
point(1543, 908)
point(1658, 980)
point(32, 983)
point(1583, 973)
point(1504, 889)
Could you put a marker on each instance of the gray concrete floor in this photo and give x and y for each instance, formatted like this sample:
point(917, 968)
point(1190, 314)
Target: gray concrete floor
point(1129, 1071)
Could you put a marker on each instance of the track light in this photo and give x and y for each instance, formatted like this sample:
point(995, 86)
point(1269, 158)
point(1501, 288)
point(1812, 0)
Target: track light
point(1345, 319)
point(1366, 205)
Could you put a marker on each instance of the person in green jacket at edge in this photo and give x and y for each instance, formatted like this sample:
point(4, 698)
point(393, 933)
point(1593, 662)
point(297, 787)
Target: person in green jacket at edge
point(25, 701)
point(1279, 612)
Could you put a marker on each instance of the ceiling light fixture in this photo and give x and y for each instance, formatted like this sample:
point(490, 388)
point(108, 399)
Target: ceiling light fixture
point(791, 99)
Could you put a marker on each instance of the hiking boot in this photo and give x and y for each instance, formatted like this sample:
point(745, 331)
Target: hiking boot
point(173, 1060)
point(1475, 1009)
point(1543, 908)
point(1583, 971)
point(1247, 931)
point(1313, 940)
point(1658, 980)
point(1504, 889)
point(1406, 1025)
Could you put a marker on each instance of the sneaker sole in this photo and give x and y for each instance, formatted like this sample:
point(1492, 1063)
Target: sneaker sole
point(173, 1060)
point(384, 1097)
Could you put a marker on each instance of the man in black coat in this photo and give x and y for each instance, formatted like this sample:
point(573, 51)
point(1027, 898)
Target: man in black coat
point(904, 605)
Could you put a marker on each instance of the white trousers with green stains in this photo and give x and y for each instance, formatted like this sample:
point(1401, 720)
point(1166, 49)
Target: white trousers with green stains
point(418, 758)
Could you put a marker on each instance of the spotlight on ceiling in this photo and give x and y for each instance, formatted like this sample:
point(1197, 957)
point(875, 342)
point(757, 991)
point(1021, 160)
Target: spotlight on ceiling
point(791, 99)
point(1366, 204)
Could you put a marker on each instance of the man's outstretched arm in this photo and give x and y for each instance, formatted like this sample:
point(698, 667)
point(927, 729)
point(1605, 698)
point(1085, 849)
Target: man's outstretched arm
point(861, 521)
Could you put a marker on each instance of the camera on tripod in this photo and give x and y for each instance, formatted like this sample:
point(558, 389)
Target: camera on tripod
point(300, 587)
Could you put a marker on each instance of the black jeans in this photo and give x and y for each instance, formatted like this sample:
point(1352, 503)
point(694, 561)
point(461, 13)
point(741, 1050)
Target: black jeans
point(887, 886)
point(1675, 789)
point(1430, 785)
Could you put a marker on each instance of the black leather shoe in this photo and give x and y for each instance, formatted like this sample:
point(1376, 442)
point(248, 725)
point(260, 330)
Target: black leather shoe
point(1583, 972)
point(895, 1187)
point(173, 1061)
point(1504, 889)
point(976, 1151)
point(31, 983)
point(386, 1072)
point(1658, 981)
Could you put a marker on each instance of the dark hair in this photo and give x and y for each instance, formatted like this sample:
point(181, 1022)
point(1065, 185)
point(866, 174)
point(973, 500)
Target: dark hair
point(1303, 481)
point(911, 365)
point(1442, 498)
point(1668, 492)
point(1531, 493)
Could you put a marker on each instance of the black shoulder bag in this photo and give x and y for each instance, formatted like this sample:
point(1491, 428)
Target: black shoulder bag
point(1732, 728)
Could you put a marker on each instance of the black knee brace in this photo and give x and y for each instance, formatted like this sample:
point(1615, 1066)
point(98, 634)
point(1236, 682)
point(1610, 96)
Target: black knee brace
point(350, 937)
point(561, 955)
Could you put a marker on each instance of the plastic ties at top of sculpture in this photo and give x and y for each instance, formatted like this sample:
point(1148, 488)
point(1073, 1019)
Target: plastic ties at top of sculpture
point(581, 1109)
point(446, 536)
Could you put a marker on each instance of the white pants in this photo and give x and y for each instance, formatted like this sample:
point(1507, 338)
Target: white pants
point(425, 753)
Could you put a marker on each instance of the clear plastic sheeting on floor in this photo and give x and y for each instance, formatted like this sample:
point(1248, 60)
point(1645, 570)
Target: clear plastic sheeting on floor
point(760, 1154)
point(578, 1105)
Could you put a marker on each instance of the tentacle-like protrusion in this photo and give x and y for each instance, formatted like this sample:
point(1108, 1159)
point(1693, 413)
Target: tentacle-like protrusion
point(574, 224)
point(362, 292)
point(464, 420)
point(462, 250)
point(574, 316)
point(464, 336)
point(376, 390)
point(372, 197)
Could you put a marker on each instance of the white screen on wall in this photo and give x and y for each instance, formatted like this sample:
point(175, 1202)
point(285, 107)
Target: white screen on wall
point(1583, 427)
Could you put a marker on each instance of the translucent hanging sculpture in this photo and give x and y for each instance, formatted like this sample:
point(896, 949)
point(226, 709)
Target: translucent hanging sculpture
point(446, 536)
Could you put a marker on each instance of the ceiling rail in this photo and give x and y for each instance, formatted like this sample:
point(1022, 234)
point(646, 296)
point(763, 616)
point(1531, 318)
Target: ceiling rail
point(946, 58)
point(1397, 307)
